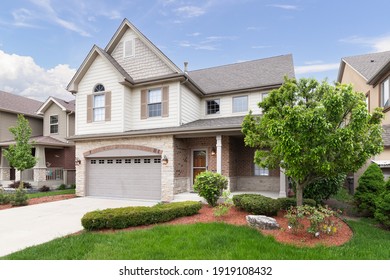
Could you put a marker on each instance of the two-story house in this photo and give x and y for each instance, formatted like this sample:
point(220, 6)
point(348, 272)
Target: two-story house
point(370, 74)
point(51, 122)
point(145, 128)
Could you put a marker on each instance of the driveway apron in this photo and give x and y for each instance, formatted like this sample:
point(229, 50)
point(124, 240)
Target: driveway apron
point(26, 226)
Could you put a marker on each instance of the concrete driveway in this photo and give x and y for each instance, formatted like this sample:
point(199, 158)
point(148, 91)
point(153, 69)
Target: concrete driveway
point(35, 224)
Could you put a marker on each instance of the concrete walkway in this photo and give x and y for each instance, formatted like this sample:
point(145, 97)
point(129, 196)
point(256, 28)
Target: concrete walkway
point(36, 224)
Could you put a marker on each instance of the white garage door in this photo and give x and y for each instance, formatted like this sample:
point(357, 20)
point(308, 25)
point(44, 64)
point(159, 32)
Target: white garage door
point(136, 177)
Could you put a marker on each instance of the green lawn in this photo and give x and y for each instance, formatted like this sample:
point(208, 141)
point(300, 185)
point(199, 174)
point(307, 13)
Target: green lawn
point(51, 193)
point(205, 241)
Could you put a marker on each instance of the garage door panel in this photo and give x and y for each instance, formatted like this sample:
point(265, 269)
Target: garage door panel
point(125, 178)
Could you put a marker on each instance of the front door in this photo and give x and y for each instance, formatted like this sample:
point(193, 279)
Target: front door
point(199, 163)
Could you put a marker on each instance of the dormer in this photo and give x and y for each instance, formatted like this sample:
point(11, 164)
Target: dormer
point(58, 118)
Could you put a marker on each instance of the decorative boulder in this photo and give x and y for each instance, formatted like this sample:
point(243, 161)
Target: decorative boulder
point(262, 222)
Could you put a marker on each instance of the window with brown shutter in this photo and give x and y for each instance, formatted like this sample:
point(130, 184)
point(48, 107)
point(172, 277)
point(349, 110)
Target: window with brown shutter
point(165, 102)
point(107, 116)
point(89, 108)
point(99, 105)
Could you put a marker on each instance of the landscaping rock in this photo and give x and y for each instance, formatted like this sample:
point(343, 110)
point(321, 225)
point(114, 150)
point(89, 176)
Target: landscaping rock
point(262, 222)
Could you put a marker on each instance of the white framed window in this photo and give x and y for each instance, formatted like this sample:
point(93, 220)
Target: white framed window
point(261, 171)
point(264, 95)
point(128, 48)
point(154, 102)
point(212, 106)
point(54, 124)
point(98, 107)
point(240, 104)
point(385, 93)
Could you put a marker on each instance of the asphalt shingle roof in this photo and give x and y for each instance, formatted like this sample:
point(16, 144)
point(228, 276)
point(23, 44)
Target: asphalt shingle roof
point(68, 105)
point(369, 65)
point(244, 75)
point(19, 104)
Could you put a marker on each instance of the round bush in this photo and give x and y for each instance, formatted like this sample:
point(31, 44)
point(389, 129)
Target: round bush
point(210, 186)
point(371, 184)
point(382, 212)
point(286, 203)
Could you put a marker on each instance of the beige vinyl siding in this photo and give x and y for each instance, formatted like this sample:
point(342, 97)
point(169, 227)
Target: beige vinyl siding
point(226, 105)
point(8, 119)
point(144, 63)
point(53, 110)
point(190, 105)
point(71, 125)
point(100, 72)
point(154, 122)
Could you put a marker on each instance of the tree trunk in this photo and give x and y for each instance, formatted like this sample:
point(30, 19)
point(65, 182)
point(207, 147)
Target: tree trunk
point(21, 184)
point(299, 194)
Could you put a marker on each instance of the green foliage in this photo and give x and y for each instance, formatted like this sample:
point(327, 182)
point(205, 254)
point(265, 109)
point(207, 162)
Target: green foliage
point(313, 130)
point(61, 187)
point(343, 195)
point(323, 189)
point(135, 216)
point(73, 186)
point(19, 155)
point(371, 184)
point(4, 197)
point(286, 203)
point(382, 212)
point(387, 184)
point(44, 189)
point(223, 208)
point(19, 198)
point(321, 219)
point(210, 185)
point(257, 204)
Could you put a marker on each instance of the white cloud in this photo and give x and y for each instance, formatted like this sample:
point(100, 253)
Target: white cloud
point(194, 34)
point(316, 68)
point(376, 44)
point(190, 11)
point(284, 7)
point(21, 75)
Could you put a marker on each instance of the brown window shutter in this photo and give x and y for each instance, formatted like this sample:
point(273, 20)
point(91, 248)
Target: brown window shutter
point(144, 104)
point(107, 105)
point(165, 102)
point(89, 108)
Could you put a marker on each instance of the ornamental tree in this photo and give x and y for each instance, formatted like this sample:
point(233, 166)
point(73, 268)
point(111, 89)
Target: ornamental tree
point(19, 155)
point(313, 131)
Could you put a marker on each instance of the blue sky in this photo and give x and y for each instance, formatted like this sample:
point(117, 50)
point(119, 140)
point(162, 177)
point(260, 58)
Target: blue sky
point(43, 42)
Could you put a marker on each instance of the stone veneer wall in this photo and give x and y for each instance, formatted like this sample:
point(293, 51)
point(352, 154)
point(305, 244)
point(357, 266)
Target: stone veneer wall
point(163, 143)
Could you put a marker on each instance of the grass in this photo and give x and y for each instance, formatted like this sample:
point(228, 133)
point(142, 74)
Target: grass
point(214, 241)
point(50, 193)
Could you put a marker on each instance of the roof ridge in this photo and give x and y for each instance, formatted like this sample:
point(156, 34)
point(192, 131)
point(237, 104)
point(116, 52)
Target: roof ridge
point(242, 62)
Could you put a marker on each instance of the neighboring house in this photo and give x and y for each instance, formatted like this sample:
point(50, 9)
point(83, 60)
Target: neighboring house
point(51, 122)
point(370, 74)
point(145, 128)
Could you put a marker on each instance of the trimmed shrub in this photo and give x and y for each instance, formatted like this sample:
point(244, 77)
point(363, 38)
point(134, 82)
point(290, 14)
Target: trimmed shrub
point(257, 204)
point(73, 186)
point(4, 197)
point(61, 187)
point(286, 203)
point(210, 185)
point(323, 189)
point(16, 184)
point(124, 217)
point(382, 212)
point(19, 198)
point(44, 189)
point(371, 184)
point(387, 184)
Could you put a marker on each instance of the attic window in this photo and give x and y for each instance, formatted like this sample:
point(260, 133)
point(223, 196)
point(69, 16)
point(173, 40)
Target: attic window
point(54, 124)
point(99, 88)
point(128, 48)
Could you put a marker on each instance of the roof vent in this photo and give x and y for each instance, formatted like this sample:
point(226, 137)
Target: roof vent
point(186, 67)
point(372, 60)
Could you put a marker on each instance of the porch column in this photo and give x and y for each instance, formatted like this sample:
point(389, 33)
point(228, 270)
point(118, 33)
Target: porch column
point(282, 184)
point(5, 169)
point(219, 154)
point(40, 166)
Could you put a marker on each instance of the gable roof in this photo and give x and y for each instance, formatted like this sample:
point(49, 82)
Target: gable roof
point(370, 66)
point(125, 25)
point(260, 73)
point(17, 104)
point(67, 106)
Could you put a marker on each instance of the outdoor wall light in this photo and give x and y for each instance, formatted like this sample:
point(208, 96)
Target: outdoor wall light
point(213, 152)
point(165, 160)
point(77, 161)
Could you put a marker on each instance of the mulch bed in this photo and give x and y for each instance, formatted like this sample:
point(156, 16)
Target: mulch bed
point(44, 199)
